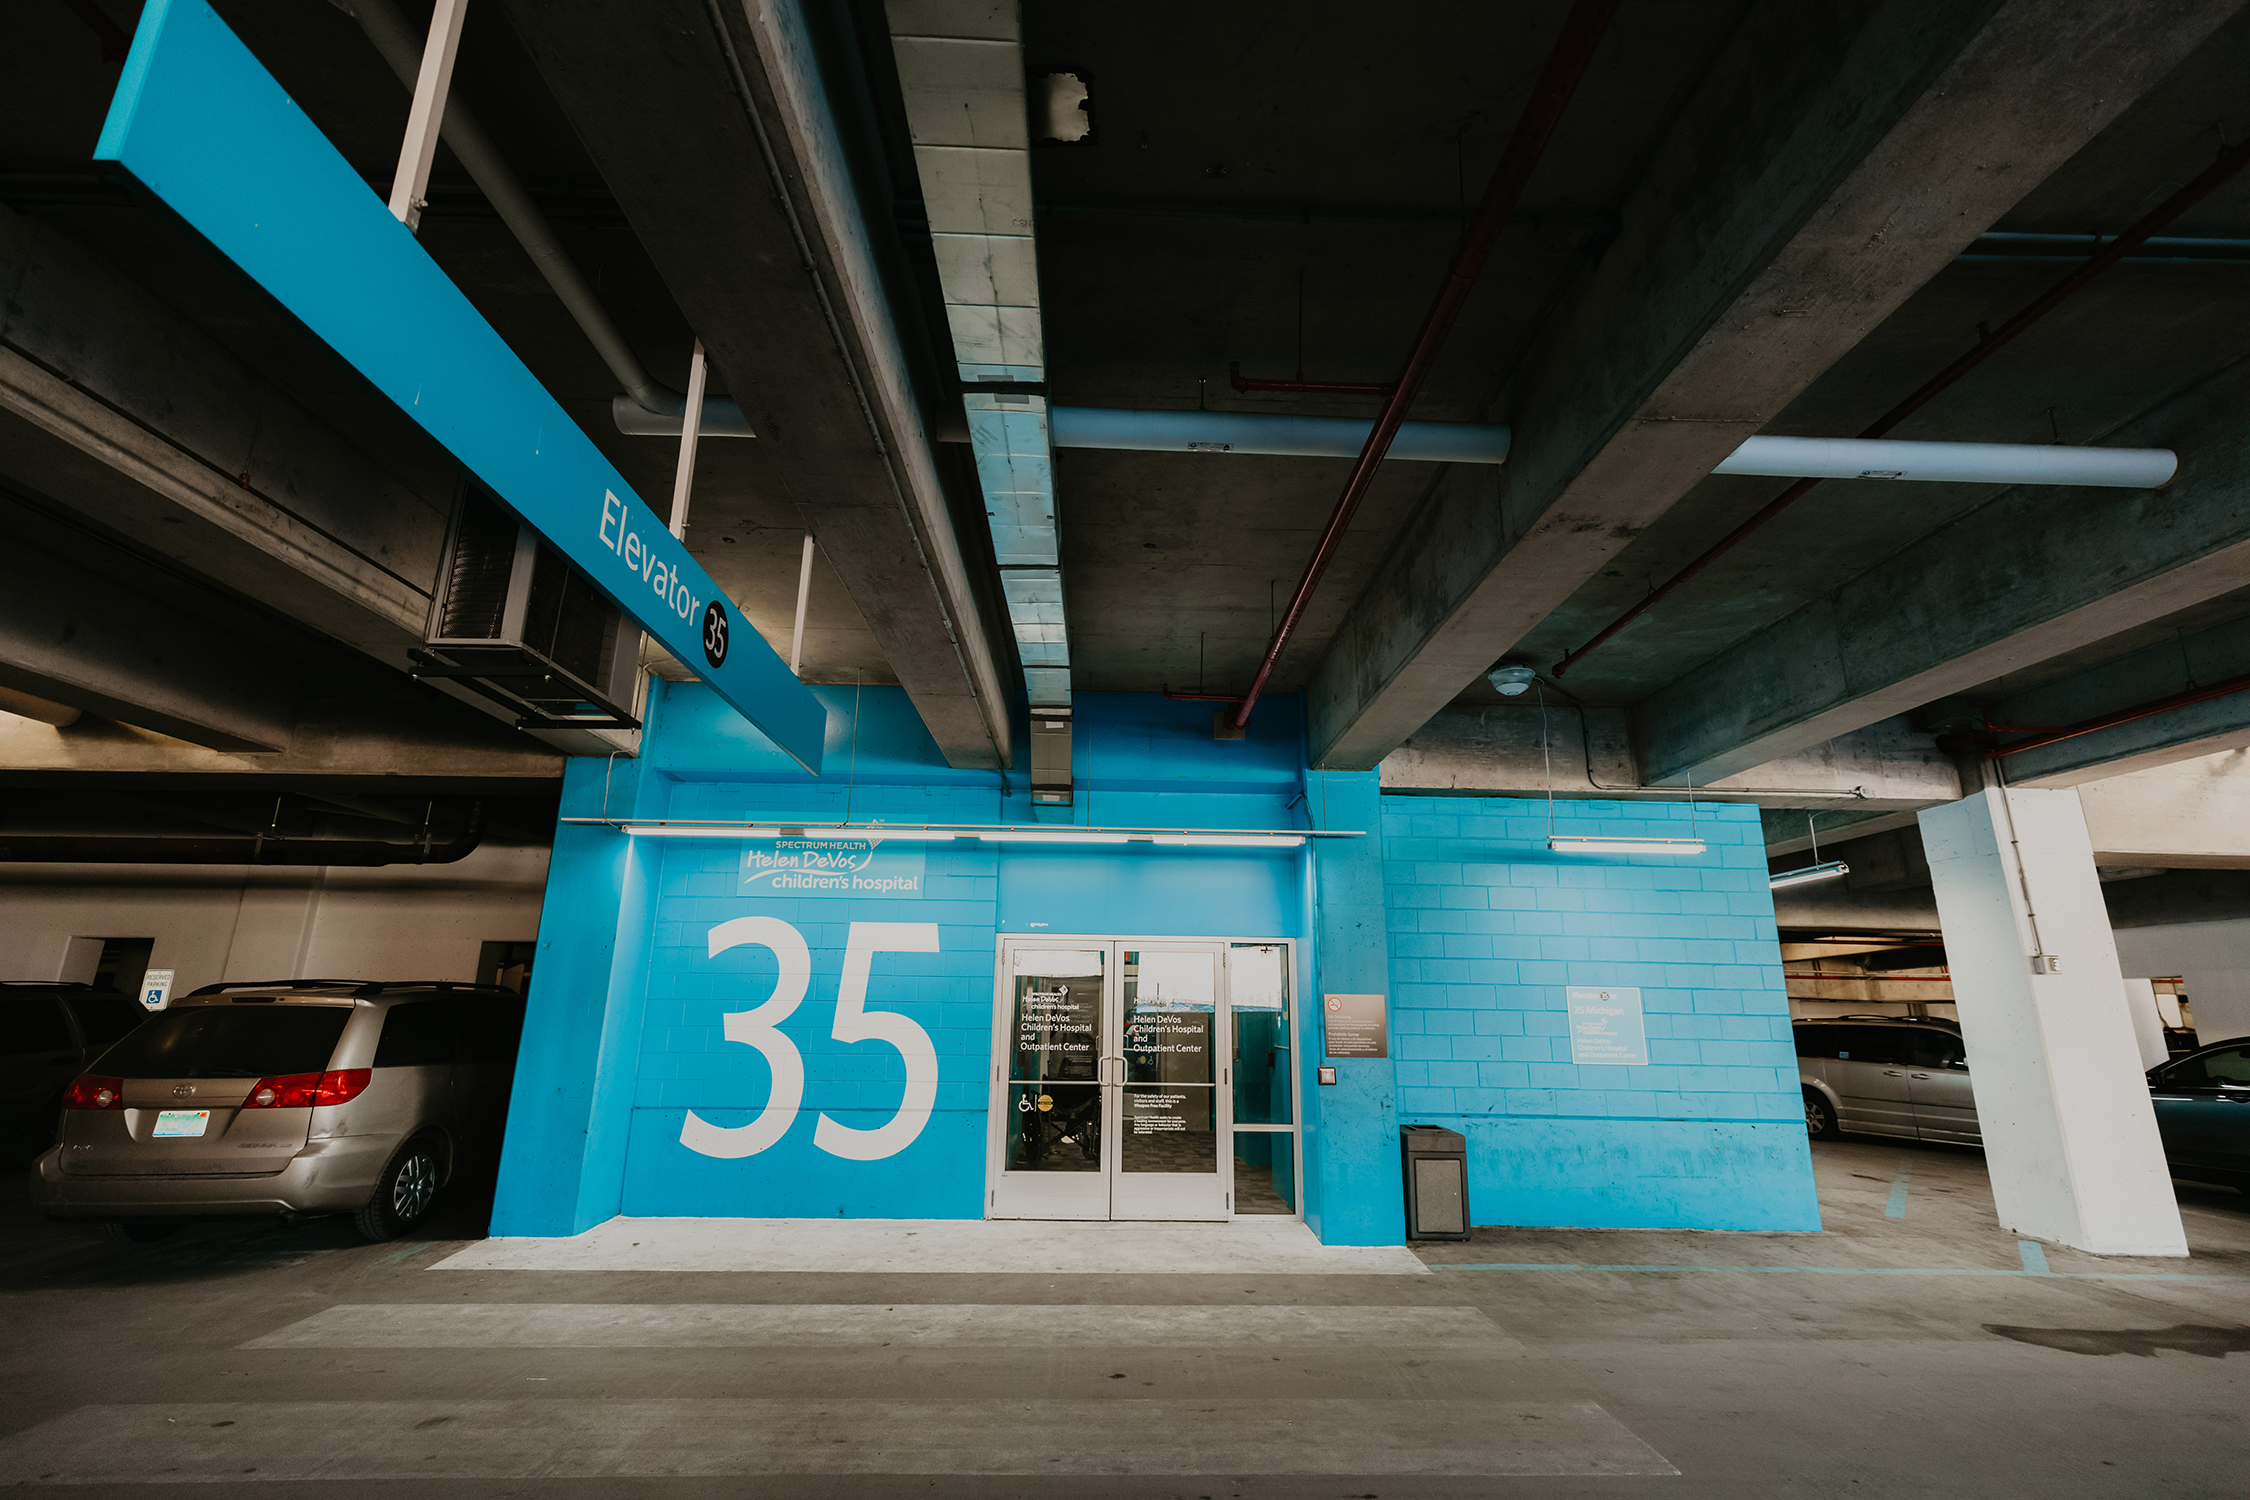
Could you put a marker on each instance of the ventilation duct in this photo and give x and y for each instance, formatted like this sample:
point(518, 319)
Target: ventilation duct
point(516, 622)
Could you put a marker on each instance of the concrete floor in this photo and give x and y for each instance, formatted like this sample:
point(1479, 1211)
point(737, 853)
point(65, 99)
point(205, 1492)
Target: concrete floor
point(1916, 1352)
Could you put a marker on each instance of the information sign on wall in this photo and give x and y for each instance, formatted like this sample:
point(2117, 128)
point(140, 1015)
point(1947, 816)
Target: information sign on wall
point(1353, 1026)
point(818, 866)
point(1606, 1027)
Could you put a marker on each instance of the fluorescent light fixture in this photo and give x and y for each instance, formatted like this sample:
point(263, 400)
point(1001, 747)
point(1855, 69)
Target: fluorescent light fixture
point(1231, 840)
point(694, 831)
point(1057, 837)
point(1593, 844)
point(1809, 874)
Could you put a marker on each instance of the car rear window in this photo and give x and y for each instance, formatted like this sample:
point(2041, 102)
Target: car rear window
point(225, 1041)
point(105, 1017)
point(33, 1025)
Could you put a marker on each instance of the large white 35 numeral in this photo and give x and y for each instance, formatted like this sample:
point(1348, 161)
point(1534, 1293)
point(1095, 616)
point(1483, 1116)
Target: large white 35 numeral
point(760, 1029)
point(855, 1023)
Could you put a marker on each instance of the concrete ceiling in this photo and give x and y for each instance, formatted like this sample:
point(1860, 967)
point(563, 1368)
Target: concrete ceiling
point(1279, 187)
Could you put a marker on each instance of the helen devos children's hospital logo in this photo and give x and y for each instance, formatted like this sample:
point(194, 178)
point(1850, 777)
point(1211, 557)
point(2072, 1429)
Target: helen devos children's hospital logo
point(816, 866)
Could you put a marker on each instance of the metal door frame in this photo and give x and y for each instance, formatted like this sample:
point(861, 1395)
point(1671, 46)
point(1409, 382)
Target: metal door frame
point(1113, 991)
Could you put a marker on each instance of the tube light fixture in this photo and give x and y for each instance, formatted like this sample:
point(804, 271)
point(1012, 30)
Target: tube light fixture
point(1809, 874)
point(1595, 844)
point(1230, 840)
point(1059, 836)
point(882, 833)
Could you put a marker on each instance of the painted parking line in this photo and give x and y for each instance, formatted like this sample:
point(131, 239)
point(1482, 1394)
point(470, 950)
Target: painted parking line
point(569, 1325)
point(231, 1441)
point(1896, 1208)
point(2034, 1257)
point(2029, 1253)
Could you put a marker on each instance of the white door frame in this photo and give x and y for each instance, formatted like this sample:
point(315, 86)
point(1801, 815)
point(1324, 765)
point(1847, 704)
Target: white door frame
point(1089, 1195)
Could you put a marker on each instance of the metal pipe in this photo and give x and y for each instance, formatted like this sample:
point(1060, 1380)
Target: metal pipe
point(804, 596)
point(2224, 689)
point(1461, 442)
point(253, 849)
point(1954, 463)
point(1269, 433)
point(2230, 161)
point(1573, 53)
point(1244, 384)
point(683, 473)
point(418, 148)
point(462, 131)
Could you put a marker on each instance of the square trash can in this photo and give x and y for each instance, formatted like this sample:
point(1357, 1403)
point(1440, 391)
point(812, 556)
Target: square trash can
point(1437, 1182)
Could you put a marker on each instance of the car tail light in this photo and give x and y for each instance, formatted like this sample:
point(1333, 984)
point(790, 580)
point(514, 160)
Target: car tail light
point(308, 1090)
point(89, 1091)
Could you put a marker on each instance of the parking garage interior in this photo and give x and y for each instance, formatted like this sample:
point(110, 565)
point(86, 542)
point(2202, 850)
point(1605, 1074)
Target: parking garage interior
point(874, 746)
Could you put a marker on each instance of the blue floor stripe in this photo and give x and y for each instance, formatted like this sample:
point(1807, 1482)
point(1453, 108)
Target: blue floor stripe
point(2035, 1264)
point(1896, 1209)
point(2034, 1257)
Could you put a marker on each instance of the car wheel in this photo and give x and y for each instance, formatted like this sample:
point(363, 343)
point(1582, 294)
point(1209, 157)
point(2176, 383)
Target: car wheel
point(1820, 1117)
point(139, 1231)
point(404, 1192)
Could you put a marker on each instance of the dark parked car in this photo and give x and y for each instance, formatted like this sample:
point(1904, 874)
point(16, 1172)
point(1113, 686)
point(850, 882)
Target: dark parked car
point(314, 1097)
point(48, 1034)
point(1876, 1075)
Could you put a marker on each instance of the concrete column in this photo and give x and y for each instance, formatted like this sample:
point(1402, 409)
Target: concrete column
point(562, 1169)
point(1352, 1191)
point(2069, 1135)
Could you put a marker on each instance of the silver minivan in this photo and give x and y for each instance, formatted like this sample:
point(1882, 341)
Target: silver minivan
point(1874, 1075)
point(292, 1099)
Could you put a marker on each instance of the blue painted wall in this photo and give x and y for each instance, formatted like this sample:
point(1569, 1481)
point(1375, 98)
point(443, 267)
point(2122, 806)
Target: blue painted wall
point(634, 1096)
point(1488, 929)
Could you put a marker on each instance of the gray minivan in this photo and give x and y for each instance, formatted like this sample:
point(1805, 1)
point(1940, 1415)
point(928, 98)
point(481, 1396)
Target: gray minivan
point(290, 1099)
point(1877, 1076)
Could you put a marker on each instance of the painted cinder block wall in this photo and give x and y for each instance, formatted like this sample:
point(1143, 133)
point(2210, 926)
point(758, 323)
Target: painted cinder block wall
point(1452, 906)
point(1487, 930)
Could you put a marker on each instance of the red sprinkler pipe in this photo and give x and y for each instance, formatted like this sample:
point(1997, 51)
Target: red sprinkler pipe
point(1247, 386)
point(2224, 689)
point(2229, 162)
point(1573, 53)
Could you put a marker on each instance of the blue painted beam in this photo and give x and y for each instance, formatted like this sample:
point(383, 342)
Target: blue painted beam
point(206, 130)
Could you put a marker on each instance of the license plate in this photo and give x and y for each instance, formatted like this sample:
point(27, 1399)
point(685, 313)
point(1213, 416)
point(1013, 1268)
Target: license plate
point(181, 1121)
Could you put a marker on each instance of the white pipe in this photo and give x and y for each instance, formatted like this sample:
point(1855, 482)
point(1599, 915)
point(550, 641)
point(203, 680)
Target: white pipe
point(1260, 432)
point(1469, 443)
point(1952, 463)
point(683, 477)
point(804, 593)
point(411, 183)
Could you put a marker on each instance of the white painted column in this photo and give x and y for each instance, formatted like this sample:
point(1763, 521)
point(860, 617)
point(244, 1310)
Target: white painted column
point(2069, 1135)
point(2148, 1022)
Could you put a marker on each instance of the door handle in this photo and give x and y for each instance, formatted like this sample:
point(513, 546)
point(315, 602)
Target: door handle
point(1893, 1073)
point(1917, 1075)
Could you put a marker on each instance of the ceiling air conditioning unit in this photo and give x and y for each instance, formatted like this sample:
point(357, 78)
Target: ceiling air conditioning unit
point(515, 622)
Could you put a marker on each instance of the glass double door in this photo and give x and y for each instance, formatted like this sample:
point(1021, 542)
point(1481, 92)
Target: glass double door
point(1115, 1091)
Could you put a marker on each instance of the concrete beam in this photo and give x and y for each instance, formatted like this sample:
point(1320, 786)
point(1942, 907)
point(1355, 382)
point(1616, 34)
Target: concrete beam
point(2174, 664)
point(2030, 575)
point(726, 154)
point(2188, 815)
point(1833, 159)
point(1587, 752)
point(407, 745)
point(115, 407)
point(71, 634)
